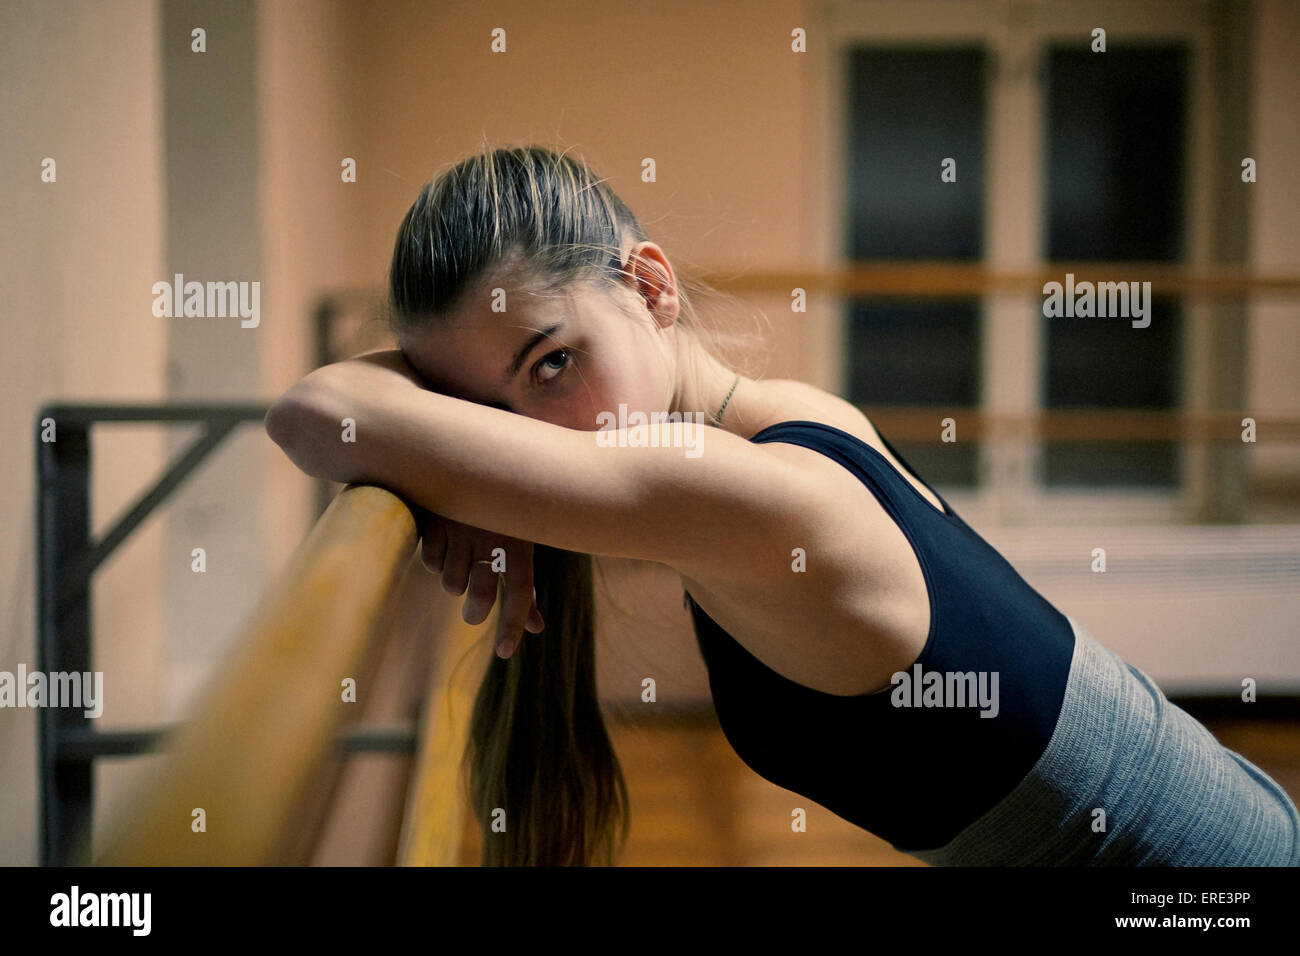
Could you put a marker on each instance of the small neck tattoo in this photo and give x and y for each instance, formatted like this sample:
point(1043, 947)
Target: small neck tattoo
point(717, 419)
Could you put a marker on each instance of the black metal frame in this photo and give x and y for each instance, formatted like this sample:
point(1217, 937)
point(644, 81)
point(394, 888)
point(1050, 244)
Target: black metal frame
point(67, 742)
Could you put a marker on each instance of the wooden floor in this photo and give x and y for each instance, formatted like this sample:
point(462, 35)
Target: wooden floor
point(694, 803)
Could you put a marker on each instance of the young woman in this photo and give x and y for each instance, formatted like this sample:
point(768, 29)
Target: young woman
point(865, 647)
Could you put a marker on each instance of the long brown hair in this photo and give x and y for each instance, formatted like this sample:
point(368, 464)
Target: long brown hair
point(538, 748)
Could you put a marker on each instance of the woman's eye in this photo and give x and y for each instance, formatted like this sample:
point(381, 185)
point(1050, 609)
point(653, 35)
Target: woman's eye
point(551, 366)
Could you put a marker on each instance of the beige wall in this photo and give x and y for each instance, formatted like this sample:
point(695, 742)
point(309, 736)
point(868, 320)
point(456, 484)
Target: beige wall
point(79, 82)
point(685, 83)
point(308, 63)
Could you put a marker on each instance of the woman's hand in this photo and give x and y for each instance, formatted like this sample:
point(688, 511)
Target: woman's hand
point(306, 422)
point(465, 557)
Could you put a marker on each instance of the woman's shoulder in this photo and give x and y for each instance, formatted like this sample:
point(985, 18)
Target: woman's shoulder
point(802, 401)
point(859, 610)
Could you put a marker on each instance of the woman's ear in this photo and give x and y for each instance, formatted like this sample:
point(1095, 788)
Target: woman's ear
point(653, 279)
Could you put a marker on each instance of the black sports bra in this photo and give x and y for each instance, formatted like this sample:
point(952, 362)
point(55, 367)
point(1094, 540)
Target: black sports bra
point(916, 762)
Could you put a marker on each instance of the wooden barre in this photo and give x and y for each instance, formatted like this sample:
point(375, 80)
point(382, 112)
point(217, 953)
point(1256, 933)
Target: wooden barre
point(946, 279)
point(436, 818)
point(1077, 425)
point(250, 752)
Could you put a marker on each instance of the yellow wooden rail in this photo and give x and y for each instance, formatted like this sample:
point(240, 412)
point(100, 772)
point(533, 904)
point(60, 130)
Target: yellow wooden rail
point(945, 279)
point(1077, 425)
point(434, 825)
point(248, 756)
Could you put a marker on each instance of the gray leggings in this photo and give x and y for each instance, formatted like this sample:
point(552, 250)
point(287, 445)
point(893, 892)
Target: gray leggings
point(1172, 795)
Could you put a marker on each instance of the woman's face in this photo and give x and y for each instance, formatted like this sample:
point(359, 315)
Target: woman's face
point(561, 358)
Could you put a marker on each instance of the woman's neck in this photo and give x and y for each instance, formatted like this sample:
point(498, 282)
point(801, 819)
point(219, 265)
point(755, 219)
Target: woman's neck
point(705, 384)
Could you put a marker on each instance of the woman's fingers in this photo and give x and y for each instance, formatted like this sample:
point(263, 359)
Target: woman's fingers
point(482, 593)
point(433, 545)
point(519, 603)
point(456, 565)
point(460, 553)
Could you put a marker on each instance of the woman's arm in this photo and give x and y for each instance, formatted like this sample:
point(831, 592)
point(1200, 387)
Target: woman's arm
point(529, 479)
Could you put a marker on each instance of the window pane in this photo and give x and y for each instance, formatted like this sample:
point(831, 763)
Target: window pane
point(920, 353)
point(909, 110)
point(1115, 183)
point(1116, 153)
point(1107, 363)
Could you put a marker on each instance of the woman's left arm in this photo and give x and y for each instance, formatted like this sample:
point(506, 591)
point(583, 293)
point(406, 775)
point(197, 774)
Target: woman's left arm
point(371, 420)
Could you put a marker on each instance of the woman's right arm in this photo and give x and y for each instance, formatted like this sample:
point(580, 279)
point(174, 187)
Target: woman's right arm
point(707, 514)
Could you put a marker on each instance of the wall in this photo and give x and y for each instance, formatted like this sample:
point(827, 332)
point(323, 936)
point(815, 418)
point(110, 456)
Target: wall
point(1273, 387)
point(79, 82)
